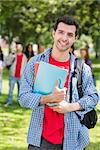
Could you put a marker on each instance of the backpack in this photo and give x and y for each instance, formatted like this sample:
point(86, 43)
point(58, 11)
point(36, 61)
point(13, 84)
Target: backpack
point(9, 60)
point(90, 118)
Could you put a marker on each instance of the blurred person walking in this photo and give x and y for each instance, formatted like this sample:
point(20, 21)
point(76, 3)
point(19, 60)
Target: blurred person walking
point(84, 53)
point(72, 49)
point(1, 68)
point(29, 51)
point(16, 68)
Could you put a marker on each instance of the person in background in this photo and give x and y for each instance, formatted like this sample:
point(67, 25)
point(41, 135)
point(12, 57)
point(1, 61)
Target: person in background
point(58, 127)
point(41, 48)
point(1, 55)
point(1, 68)
point(84, 53)
point(72, 49)
point(29, 51)
point(16, 70)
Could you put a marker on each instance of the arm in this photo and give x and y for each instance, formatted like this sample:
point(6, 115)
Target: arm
point(87, 102)
point(26, 96)
point(64, 107)
point(56, 96)
point(90, 95)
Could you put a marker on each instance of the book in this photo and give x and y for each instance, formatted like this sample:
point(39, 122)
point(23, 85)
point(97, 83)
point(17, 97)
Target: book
point(46, 76)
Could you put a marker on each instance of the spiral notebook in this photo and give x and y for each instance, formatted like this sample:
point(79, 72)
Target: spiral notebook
point(46, 77)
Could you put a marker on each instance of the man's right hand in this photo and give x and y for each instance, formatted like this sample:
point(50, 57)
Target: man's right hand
point(56, 96)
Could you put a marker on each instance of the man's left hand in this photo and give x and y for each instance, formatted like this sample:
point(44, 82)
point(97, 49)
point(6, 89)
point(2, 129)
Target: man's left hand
point(64, 107)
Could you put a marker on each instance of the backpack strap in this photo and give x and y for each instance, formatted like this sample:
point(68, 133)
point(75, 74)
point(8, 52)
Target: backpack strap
point(78, 65)
point(90, 118)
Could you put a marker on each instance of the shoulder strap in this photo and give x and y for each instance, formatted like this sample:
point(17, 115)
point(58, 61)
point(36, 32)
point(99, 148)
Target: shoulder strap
point(78, 65)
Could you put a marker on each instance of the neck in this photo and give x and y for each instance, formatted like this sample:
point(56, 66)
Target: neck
point(19, 53)
point(60, 56)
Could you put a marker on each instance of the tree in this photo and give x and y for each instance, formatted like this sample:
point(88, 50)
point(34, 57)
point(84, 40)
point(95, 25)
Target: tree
point(32, 20)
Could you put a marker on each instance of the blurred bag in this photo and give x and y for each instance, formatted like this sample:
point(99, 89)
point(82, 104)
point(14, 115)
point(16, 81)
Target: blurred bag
point(9, 60)
point(90, 119)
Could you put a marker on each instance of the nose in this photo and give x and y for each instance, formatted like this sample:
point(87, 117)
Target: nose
point(65, 37)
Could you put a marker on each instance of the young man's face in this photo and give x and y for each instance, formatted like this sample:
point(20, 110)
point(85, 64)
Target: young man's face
point(64, 36)
point(19, 47)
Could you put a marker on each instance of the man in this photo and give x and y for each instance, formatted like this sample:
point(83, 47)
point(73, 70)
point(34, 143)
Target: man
point(58, 127)
point(17, 62)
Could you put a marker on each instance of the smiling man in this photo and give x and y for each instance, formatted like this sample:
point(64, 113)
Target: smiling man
point(58, 127)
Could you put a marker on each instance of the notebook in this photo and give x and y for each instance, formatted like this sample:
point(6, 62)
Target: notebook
point(46, 77)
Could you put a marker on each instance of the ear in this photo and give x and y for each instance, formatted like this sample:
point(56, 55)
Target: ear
point(53, 33)
point(77, 37)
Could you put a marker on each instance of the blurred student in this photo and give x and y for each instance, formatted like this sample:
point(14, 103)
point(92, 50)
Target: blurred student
point(84, 53)
point(1, 68)
point(41, 48)
point(1, 55)
point(17, 67)
point(72, 49)
point(29, 51)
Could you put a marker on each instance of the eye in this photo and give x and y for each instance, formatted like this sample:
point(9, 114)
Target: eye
point(70, 35)
point(61, 32)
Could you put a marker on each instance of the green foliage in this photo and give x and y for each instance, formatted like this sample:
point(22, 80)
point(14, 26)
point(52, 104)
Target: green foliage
point(32, 20)
point(83, 41)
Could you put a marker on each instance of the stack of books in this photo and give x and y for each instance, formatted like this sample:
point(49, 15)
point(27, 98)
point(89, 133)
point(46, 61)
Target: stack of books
point(46, 76)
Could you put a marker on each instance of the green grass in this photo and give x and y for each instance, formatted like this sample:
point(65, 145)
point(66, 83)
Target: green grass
point(14, 122)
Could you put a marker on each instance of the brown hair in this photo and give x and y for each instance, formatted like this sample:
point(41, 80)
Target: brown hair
point(67, 20)
point(87, 52)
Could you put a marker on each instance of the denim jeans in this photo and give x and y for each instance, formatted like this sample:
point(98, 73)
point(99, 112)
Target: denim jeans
point(45, 145)
point(12, 81)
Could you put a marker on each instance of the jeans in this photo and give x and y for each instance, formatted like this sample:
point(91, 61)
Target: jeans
point(45, 145)
point(12, 81)
point(31, 147)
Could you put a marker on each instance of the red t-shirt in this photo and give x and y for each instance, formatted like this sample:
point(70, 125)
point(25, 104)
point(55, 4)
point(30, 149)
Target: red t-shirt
point(53, 122)
point(18, 65)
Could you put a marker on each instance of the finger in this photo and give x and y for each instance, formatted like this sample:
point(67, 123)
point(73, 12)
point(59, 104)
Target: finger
point(65, 89)
point(56, 108)
point(57, 83)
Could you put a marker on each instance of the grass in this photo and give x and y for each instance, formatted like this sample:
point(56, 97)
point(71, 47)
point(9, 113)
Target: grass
point(14, 121)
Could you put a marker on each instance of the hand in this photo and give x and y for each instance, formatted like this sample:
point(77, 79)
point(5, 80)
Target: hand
point(64, 107)
point(56, 96)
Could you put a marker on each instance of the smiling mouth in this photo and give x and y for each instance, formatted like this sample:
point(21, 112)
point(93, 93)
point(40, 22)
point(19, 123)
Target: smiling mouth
point(63, 44)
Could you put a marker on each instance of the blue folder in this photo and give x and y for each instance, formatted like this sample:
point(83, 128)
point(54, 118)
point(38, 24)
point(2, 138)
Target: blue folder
point(47, 77)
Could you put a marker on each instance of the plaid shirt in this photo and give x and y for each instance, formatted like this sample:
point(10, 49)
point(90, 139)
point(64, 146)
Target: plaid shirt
point(76, 135)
